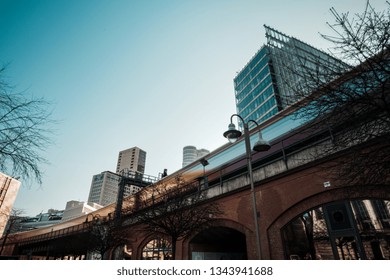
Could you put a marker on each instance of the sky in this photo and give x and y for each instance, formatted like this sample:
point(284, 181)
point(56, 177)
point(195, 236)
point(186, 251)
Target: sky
point(156, 74)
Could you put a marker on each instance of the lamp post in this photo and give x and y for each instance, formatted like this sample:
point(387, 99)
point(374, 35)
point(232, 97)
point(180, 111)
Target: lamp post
point(232, 134)
point(204, 163)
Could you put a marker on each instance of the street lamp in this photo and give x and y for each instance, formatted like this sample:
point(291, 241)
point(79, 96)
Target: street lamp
point(232, 134)
point(204, 163)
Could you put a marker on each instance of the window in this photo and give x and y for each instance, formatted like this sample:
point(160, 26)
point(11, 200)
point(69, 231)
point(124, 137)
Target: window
point(157, 249)
point(313, 234)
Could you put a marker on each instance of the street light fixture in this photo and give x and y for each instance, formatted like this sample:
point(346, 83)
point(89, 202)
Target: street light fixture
point(232, 134)
point(204, 163)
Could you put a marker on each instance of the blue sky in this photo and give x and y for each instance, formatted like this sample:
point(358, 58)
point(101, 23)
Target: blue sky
point(153, 74)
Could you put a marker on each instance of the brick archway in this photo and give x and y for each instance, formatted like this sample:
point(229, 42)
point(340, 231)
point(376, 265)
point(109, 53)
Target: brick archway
point(276, 251)
point(145, 240)
point(219, 223)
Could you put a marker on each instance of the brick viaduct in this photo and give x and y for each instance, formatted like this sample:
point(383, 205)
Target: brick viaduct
point(289, 179)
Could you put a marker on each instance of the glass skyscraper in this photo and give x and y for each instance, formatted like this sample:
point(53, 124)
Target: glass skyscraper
point(268, 82)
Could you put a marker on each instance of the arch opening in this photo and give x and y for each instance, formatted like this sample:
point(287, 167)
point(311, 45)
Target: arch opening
point(157, 249)
point(218, 243)
point(347, 229)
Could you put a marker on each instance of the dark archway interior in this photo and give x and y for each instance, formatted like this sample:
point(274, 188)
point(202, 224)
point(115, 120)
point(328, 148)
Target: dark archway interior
point(218, 243)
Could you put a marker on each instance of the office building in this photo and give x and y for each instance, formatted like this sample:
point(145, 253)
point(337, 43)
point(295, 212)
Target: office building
point(9, 188)
point(191, 153)
point(76, 209)
point(269, 81)
point(105, 186)
point(133, 159)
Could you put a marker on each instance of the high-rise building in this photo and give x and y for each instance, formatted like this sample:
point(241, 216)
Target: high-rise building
point(191, 153)
point(9, 188)
point(105, 186)
point(268, 82)
point(133, 159)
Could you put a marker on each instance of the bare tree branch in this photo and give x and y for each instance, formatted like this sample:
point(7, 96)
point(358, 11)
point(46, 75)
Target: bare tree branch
point(14, 218)
point(174, 209)
point(353, 102)
point(25, 132)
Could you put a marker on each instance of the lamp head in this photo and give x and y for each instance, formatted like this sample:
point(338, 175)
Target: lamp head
point(232, 134)
point(261, 145)
point(204, 162)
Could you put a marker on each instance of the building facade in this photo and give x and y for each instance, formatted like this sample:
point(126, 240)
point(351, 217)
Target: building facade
point(76, 209)
point(269, 81)
point(9, 188)
point(133, 159)
point(105, 186)
point(191, 154)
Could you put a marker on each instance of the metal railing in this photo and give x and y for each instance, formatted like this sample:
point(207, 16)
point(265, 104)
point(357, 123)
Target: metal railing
point(138, 176)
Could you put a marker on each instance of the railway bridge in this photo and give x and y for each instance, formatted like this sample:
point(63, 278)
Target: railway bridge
point(302, 209)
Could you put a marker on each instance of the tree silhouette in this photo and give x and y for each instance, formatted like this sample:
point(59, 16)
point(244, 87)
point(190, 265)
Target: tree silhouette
point(24, 132)
point(352, 102)
point(14, 218)
point(175, 209)
point(104, 234)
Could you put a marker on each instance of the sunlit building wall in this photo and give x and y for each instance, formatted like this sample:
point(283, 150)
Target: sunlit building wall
point(104, 188)
point(76, 209)
point(133, 159)
point(9, 188)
